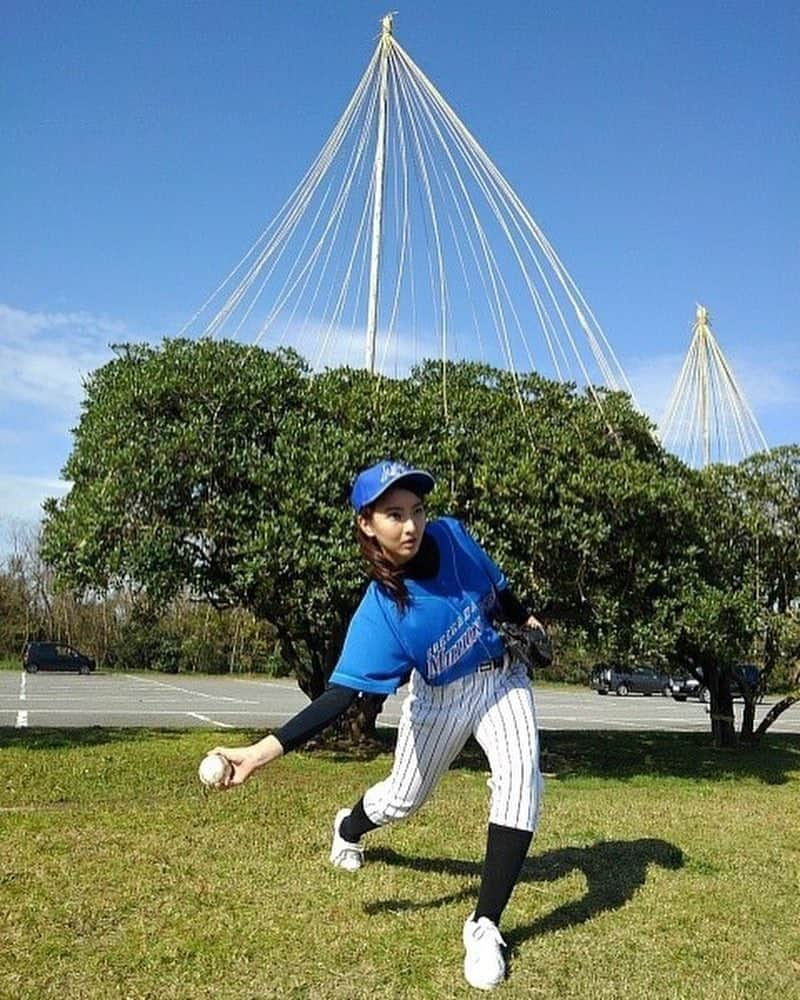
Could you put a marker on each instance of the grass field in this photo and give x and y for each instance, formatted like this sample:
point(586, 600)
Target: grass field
point(662, 869)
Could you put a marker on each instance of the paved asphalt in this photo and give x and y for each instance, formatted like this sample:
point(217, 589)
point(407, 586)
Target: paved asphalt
point(188, 701)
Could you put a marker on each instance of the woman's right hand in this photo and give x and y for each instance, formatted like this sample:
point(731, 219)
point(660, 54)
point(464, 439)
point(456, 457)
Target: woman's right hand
point(248, 759)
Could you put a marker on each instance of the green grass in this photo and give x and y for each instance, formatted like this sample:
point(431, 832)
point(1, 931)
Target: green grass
point(661, 870)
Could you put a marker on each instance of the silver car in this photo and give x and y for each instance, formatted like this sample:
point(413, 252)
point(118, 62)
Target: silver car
point(630, 680)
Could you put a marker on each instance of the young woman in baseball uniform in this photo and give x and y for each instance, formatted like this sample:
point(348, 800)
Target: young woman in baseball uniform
point(427, 617)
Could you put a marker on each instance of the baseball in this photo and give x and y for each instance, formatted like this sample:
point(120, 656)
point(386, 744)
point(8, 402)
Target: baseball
point(214, 770)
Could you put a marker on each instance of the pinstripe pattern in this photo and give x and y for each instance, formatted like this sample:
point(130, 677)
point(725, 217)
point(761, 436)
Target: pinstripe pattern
point(497, 708)
point(508, 734)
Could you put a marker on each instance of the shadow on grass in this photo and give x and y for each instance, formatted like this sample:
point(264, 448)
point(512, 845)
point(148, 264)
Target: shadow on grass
point(614, 870)
point(566, 754)
point(87, 736)
point(625, 755)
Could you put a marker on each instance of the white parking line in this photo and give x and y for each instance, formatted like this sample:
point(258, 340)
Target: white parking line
point(22, 715)
point(214, 722)
point(264, 682)
point(46, 698)
point(686, 725)
point(138, 712)
point(199, 694)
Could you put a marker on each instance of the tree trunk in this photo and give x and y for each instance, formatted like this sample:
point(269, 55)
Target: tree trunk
point(774, 713)
point(312, 681)
point(357, 725)
point(307, 670)
point(748, 718)
point(723, 729)
point(359, 722)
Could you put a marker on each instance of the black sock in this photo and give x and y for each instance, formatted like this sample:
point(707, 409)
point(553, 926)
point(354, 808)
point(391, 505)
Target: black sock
point(353, 827)
point(505, 852)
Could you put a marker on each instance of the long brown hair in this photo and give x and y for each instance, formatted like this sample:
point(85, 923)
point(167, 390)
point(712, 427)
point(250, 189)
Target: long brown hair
point(381, 569)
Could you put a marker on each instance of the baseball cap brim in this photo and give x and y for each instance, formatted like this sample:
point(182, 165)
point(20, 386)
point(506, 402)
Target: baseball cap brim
point(373, 483)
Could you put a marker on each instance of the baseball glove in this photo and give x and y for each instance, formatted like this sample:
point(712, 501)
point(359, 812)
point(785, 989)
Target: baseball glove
point(529, 645)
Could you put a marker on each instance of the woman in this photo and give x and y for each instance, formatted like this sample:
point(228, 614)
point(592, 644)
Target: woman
point(428, 613)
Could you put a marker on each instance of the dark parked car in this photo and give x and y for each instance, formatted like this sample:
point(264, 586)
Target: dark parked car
point(745, 675)
point(55, 656)
point(630, 680)
point(689, 687)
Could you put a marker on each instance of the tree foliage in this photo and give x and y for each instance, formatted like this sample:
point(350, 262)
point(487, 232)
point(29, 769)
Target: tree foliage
point(753, 530)
point(13, 614)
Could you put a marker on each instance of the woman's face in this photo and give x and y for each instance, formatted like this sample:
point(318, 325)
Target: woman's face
point(396, 523)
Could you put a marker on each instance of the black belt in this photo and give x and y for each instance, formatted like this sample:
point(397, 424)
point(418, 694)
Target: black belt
point(496, 664)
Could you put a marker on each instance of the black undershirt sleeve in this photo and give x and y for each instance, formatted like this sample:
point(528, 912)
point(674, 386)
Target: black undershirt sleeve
point(311, 720)
point(511, 609)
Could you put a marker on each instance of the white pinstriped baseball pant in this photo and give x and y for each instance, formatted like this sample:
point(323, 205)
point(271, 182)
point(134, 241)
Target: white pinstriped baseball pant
point(497, 708)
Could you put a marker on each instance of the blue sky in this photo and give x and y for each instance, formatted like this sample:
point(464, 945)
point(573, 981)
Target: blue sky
point(147, 144)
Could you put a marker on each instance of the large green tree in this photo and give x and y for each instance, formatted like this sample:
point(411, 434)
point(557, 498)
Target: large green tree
point(754, 530)
point(224, 470)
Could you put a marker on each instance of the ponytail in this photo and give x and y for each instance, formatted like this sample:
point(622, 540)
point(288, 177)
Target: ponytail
point(383, 571)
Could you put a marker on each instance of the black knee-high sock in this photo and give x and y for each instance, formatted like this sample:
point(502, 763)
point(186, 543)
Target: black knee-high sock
point(505, 852)
point(354, 826)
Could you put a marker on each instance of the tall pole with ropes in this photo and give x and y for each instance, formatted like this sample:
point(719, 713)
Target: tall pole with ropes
point(702, 332)
point(378, 175)
point(404, 213)
point(708, 418)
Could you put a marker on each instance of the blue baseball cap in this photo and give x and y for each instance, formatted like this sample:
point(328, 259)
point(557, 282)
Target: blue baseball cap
point(377, 479)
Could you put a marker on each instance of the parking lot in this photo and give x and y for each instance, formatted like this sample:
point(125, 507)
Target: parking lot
point(198, 701)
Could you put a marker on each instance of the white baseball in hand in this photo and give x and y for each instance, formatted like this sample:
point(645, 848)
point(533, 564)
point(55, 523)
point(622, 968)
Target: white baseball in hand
point(214, 770)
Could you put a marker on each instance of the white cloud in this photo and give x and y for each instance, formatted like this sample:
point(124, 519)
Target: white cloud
point(768, 382)
point(21, 496)
point(44, 357)
point(652, 381)
point(324, 346)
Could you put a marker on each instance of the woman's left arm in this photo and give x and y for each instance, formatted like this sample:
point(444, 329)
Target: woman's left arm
point(514, 611)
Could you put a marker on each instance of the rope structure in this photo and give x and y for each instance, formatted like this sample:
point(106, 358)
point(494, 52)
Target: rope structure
point(403, 198)
point(707, 418)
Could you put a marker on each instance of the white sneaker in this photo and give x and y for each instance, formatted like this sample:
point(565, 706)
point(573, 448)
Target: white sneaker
point(484, 965)
point(343, 853)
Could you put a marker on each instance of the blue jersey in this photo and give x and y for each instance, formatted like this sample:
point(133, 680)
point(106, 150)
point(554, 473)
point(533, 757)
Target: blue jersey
point(445, 632)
